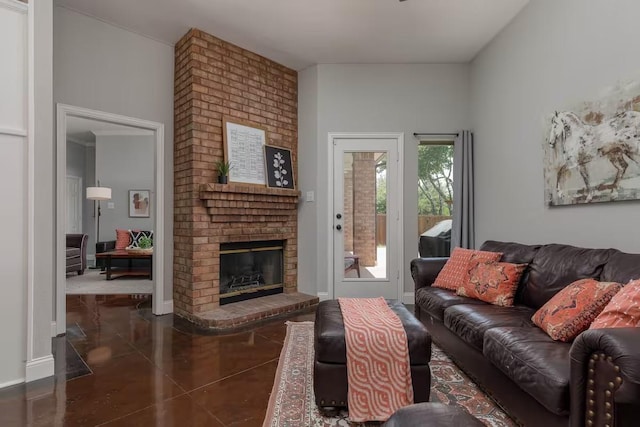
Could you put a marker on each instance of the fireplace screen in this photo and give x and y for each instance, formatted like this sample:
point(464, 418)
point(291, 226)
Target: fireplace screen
point(250, 270)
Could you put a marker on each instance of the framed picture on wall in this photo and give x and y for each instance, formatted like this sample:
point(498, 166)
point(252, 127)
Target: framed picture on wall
point(279, 167)
point(139, 203)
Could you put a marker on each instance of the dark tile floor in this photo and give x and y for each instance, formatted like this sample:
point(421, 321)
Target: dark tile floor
point(121, 366)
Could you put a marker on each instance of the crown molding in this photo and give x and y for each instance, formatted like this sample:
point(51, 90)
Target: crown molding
point(81, 142)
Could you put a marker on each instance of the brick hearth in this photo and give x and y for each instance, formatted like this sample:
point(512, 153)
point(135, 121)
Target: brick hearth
point(216, 79)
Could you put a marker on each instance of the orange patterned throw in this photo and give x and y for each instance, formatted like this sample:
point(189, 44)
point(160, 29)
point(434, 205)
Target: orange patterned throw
point(571, 311)
point(455, 272)
point(378, 367)
point(623, 311)
point(493, 282)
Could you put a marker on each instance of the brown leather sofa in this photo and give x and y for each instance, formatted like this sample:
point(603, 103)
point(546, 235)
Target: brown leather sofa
point(76, 253)
point(594, 381)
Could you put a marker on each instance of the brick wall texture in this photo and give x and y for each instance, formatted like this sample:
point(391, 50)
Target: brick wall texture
point(364, 207)
point(216, 79)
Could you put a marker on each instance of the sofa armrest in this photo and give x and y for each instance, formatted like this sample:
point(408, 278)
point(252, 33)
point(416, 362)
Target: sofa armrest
point(605, 377)
point(425, 270)
point(75, 240)
point(105, 246)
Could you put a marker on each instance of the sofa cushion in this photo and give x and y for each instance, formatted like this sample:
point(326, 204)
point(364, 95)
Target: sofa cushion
point(621, 268)
point(571, 311)
point(455, 272)
point(493, 282)
point(435, 300)
point(556, 266)
point(536, 363)
point(73, 253)
point(515, 253)
point(470, 322)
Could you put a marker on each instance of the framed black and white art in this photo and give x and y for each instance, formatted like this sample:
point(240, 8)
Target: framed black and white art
point(279, 167)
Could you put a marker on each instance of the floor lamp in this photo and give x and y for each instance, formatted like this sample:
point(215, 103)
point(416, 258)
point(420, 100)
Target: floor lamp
point(97, 194)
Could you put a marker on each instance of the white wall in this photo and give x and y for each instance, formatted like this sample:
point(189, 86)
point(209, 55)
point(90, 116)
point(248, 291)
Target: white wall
point(106, 68)
point(13, 188)
point(124, 163)
point(554, 55)
point(76, 157)
point(369, 98)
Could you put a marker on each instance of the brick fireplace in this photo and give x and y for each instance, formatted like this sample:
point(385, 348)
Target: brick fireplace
point(216, 79)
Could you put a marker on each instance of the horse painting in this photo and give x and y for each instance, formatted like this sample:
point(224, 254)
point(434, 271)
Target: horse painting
point(576, 145)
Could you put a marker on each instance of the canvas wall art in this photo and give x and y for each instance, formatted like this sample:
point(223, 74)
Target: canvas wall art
point(592, 151)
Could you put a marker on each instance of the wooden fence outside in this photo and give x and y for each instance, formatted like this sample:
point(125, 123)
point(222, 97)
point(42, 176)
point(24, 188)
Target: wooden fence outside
point(425, 222)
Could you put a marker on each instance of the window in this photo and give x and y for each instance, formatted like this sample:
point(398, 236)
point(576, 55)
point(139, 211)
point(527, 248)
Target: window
point(435, 197)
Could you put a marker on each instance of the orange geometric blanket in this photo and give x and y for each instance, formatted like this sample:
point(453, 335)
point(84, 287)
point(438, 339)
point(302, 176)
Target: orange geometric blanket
point(378, 367)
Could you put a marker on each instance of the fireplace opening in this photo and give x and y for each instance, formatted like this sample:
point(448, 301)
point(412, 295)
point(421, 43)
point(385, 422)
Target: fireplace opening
point(251, 270)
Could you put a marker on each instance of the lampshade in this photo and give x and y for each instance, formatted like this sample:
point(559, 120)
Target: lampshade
point(98, 193)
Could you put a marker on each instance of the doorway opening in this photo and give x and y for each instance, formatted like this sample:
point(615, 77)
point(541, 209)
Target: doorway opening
point(110, 223)
point(366, 210)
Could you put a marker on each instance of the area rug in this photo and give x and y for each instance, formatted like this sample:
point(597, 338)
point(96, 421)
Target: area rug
point(292, 403)
point(94, 283)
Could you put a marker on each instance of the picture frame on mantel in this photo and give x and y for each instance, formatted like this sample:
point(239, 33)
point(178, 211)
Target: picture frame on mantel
point(279, 167)
point(244, 150)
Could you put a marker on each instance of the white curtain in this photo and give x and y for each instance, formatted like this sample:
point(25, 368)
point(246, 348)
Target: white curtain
point(462, 233)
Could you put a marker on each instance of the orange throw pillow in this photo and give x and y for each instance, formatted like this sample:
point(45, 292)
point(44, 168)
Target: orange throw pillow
point(493, 282)
point(571, 311)
point(455, 272)
point(623, 311)
point(122, 238)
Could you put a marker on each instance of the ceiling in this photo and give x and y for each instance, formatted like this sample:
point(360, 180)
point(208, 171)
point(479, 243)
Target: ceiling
point(82, 130)
point(300, 33)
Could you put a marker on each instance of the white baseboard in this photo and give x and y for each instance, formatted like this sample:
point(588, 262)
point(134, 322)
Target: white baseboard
point(408, 298)
point(12, 382)
point(167, 307)
point(39, 368)
point(323, 296)
point(54, 329)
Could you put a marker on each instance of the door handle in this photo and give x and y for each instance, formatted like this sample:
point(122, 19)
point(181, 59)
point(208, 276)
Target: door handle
point(338, 227)
point(339, 216)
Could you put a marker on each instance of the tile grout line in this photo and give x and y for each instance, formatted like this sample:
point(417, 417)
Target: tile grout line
point(233, 375)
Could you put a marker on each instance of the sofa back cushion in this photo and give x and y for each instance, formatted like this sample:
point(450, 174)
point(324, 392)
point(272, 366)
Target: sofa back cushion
point(514, 253)
point(621, 268)
point(556, 266)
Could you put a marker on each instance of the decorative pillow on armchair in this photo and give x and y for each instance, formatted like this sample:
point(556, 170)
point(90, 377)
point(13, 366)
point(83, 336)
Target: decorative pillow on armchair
point(493, 282)
point(455, 272)
point(571, 311)
point(136, 235)
point(623, 311)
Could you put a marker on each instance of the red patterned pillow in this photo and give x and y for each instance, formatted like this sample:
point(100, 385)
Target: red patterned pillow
point(455, 272)
point(493, 282)
point(623, 311)
point(571, 311)
point(122, 238)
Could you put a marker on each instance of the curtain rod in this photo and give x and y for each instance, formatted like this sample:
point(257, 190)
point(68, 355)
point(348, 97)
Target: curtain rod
point(435, 134)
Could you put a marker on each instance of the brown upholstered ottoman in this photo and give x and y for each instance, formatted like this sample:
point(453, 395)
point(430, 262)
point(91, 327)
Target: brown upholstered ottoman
point(330, 369)
point(432, 415)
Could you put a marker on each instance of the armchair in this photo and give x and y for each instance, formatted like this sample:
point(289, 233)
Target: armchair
point(76, 253)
